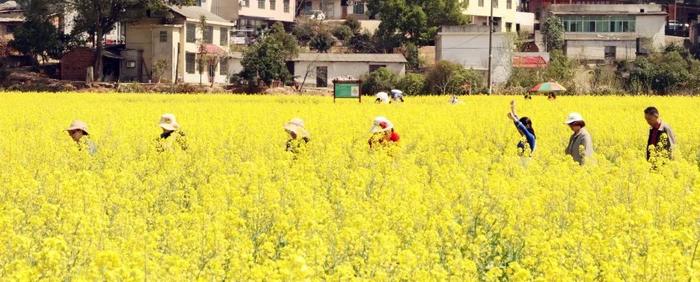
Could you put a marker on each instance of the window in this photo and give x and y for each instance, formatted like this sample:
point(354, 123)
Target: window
point(599, 23)
point(190, 61)
point(373, 68)
point(494, 3)
point(509, 4)
point(191, 33)
point(358, 8)
point(273, 4)
point(246, 3)
point(610, 52)
point(163, 36)
point(481, 3)
point(131, 64)
point(509, 27)
point(208, 35)
point(223, 36)
point(261, 4)
point(286, 6)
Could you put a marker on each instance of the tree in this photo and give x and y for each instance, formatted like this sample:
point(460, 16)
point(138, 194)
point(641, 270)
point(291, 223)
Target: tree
point(553, 33)
point(265, 61)
point(415, 21)
point(98, 17)
point(322, 41)
point(202, 56)
point(290, 46)
point(39, 38)
point(362, 43)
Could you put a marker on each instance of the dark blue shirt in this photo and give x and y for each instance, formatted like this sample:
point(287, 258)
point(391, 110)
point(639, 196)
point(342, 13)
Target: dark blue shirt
point(528, 136)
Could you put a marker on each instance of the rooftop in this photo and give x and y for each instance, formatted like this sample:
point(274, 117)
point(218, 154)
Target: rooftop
point(332, 57)
point(196, 12)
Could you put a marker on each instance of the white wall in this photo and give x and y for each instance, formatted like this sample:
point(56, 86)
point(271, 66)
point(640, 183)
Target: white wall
point(471, 51)
point(274, 15)
point(652, 27)
point(595, 50)
point(340, 70)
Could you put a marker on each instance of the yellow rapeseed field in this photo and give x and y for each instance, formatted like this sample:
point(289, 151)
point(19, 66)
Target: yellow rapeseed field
point(452, 202)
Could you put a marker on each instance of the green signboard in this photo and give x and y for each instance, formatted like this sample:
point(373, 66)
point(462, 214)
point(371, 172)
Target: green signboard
point(349, 89)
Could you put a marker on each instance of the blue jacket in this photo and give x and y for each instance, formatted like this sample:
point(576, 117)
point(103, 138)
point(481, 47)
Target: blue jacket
point(528, 135)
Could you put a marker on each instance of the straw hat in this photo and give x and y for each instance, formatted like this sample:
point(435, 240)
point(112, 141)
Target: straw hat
point(573, 117)
point(168, 122)
point(381, 124)
point(296, 125)
point(78, 124)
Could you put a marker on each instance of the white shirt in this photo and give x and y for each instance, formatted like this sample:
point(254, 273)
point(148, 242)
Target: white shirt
point(383, 97)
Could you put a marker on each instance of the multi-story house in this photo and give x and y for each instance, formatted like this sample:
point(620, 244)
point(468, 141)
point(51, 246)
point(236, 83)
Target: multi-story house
point(335, 9)
point(255, 15)
point(176, 41)
point(507, 16)
point(611, 32)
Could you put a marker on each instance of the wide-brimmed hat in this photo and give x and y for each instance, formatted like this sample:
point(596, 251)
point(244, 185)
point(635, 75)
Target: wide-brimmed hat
point(78, 124)
point(383, 97)
point(296, 125)
point(573, 117)
point(168, 122)
point(381, 124)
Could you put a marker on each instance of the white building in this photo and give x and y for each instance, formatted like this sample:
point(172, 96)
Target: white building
point(506, 16)
point(320, 69)
point(469, 47)
point(178, 41)
point(257, 14)
point(339, 11)
point(611, 32)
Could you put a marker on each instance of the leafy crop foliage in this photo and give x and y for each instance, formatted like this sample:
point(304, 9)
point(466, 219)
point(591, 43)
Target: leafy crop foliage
point(452, 202)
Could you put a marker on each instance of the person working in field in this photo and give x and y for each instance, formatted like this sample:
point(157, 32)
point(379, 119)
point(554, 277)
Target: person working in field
point(383, 133)
point(661, 139)
point(171, 130)
point(397, 95)
point(382, 98)
point(524, 126)
point(580, 144)
point(298, 135)
point(78, 131)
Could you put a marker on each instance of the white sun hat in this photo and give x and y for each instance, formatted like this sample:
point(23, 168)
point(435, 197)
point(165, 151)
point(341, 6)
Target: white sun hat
point(168, 122)
point(573, 117)
point(381, 124)
point(383, 97)
point(78, 124)
point(296, 125)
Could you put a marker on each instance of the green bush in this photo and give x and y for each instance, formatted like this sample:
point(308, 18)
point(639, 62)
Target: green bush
point(450, 78)
point(379, 80)
point(343, 33)
point(412, 84)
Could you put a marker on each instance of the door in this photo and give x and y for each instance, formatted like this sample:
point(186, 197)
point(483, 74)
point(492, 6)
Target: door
point(321, 76)
point(610, 52)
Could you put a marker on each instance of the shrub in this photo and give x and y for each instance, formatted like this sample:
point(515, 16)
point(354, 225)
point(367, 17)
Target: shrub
point(412, 84)
point(343, 33)
point(450, 78)
point(379, 80)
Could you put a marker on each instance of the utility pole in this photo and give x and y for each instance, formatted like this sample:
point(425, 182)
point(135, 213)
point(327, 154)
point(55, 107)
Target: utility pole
point(490, 48)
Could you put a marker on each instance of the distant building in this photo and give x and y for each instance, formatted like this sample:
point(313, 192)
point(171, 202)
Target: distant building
point(338, 11)
point(177, 39)
point(469, 47)
point(507, 15)
point(320, 69)
point(611, 32)
point(256, 15)
point(11, 16)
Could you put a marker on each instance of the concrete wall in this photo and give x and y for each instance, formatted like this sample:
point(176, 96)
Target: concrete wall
point(353, 70)
point(471, 51)
point(226, 9)
point(652, 27)
point(595, 50)
point(274, 15)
